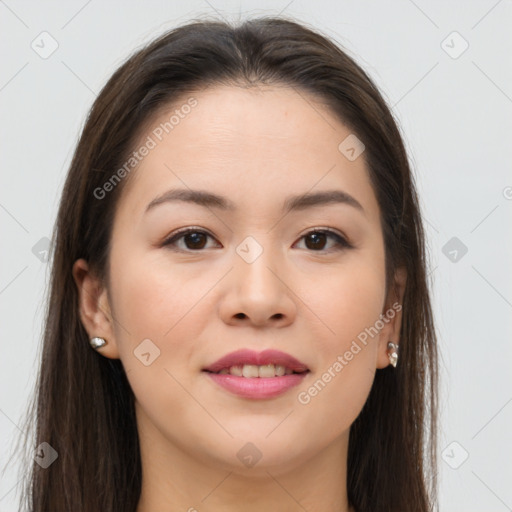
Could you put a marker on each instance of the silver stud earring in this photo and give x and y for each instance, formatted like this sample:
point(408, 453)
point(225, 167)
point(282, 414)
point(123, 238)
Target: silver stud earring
point(393, 353)
point(97, 343)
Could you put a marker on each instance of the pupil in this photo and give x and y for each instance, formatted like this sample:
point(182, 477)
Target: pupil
point(316, 241)
point(195, 238)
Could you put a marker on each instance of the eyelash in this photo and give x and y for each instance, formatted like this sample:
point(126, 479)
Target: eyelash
point(341, 242)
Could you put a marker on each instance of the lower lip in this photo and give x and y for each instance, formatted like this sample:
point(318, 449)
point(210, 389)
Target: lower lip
point(257, 387)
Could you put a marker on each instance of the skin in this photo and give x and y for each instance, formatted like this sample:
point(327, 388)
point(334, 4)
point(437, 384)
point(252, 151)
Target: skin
point(254, 146)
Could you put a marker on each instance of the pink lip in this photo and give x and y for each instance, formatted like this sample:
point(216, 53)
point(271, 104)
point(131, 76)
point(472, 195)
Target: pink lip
point(257, 387)
point(245, 356)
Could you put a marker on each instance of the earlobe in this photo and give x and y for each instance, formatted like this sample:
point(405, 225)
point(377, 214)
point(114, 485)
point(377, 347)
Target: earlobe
point(393, 353)
point(389, 337)
point(94, 308)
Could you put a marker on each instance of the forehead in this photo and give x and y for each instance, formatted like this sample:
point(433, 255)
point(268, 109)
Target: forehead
point(255, 145)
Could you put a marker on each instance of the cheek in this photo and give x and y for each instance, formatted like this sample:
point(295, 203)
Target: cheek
point(349, 297)
point(350, 307)
point(154, 301)
point(152, 297)
point(166, 303)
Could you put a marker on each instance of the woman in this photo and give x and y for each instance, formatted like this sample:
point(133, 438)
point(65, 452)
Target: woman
point(239, 317)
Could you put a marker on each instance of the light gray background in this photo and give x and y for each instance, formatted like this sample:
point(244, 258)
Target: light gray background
point(456, 117)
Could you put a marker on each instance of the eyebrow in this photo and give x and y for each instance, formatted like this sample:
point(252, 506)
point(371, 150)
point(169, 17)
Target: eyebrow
point(292, 203)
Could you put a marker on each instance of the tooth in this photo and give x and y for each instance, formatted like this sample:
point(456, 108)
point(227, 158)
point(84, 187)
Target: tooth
point(280, 370)
point(253, 371)
point(250, 370)
point(236, 370)
point(266, 370)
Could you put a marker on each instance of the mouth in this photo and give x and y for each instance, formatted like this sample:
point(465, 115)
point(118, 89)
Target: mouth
point(252, 371)
point(256, 375)
point(251, 364)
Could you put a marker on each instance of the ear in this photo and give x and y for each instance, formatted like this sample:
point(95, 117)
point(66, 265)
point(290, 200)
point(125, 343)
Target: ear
point(392, 317)
point(94, 308)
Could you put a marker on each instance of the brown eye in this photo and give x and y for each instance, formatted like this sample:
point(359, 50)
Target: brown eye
point(193, 239)
point(317, 240)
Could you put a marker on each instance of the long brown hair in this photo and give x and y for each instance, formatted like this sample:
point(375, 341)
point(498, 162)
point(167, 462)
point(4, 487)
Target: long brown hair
point(83, 405)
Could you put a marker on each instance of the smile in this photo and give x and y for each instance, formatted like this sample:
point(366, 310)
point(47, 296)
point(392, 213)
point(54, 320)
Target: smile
point(253, 371)
point(257, 387)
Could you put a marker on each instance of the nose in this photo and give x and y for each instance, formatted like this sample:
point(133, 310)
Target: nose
point(258, 293)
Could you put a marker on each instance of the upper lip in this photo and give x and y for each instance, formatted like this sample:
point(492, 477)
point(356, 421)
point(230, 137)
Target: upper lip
point(246, 356)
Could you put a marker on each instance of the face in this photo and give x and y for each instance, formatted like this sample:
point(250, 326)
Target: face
point(308, 281)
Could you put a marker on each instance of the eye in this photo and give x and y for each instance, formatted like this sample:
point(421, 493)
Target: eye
point(316, 239)
point(195, 240)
